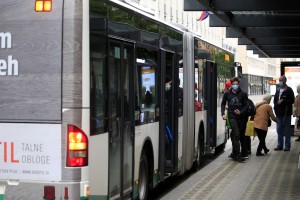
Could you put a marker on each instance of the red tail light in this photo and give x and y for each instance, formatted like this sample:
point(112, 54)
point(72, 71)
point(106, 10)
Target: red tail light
point(77, 151)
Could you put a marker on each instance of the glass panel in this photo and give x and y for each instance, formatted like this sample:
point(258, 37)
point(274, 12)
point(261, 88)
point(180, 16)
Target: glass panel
point(202, 52)
point(98, 96)
point(169, 95)
point(147, 85)
point(180, 83)
point(128, 117)
point(115, 116)
point(98, 7)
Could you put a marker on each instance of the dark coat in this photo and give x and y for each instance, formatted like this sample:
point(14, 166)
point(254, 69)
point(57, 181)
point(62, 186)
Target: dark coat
point(286, 107)
point(234, 101)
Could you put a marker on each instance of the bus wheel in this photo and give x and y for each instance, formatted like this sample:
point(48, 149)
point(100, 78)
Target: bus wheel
point(200, 152)
point(143, 178)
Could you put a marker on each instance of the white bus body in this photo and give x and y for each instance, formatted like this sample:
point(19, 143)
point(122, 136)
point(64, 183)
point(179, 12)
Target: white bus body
point(85, 113)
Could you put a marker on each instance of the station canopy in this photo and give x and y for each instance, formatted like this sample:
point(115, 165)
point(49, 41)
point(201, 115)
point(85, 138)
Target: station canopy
point(271, 28)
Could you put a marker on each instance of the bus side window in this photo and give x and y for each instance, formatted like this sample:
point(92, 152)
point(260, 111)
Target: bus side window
point(147, 86)
point(147, 95)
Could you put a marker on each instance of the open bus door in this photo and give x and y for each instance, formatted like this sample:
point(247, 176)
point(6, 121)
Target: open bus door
point(211, 102)
point(169, 113)
point(121, 118)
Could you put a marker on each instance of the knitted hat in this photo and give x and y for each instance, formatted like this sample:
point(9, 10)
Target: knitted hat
point(227, 85)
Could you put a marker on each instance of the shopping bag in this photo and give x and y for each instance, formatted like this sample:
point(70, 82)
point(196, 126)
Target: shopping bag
point(228, 122)
point(250, 128)
point(297, 127)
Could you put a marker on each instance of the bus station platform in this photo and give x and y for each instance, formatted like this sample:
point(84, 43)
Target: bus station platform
point(272, 176)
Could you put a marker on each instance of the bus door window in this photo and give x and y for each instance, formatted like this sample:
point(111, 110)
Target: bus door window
point(121, 117)
point(98, 83)
point(169, 107)
point(128, 108)
point(198, 86)
point(202, 54)
point(180, 87)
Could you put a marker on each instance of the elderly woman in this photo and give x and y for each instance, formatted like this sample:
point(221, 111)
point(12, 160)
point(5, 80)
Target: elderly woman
point(263, 113)
point(297, 108)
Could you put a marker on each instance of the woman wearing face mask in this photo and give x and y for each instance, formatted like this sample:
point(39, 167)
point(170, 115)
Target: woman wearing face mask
point(236, 100)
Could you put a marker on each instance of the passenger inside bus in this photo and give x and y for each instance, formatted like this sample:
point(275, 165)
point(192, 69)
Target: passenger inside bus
point(168, 117)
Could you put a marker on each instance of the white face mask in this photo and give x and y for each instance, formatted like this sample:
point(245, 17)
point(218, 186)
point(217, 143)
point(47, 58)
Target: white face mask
point(168, 87)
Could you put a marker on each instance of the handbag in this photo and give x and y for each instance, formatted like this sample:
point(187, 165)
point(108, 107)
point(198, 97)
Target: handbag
point(250, 128)
point(269, 122)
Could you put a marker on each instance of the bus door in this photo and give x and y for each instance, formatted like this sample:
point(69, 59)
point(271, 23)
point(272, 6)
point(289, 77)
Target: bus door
point(121, 117)
point(211, 99)
point(169, 112)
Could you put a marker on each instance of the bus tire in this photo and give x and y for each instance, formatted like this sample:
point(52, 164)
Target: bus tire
point(200, 152)
point(143, 186)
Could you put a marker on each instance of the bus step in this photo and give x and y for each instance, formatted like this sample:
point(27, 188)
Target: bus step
point(210, 152)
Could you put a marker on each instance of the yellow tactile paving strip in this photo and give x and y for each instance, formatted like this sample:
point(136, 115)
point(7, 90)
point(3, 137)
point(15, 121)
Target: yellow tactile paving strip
point(274, 176)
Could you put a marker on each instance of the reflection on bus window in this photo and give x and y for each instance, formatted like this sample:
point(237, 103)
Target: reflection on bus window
point(198, 105)
point(146, 99)
point(180, 88)
point(98, 86)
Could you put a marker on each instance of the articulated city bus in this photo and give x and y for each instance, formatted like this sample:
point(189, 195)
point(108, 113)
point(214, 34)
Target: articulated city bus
point(102, 101)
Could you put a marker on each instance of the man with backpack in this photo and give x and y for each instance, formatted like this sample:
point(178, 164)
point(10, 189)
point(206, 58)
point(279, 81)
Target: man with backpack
point(236, 101)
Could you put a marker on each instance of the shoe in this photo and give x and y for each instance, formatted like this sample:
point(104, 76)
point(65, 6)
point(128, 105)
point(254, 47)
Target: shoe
point(266, 151)
point(245, 156)
point(239, 158)
point(231, 156)
point(259, 154)
point(298, 139)
point(278, 149)
point(286, 149)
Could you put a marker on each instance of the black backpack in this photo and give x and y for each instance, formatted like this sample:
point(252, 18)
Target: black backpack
point(250, 108)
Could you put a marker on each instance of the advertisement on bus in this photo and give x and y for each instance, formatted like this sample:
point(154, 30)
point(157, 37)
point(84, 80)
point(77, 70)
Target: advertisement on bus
point(30, 152)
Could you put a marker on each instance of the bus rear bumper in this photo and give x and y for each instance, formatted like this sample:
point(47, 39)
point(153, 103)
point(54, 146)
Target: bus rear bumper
point(34, 190)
